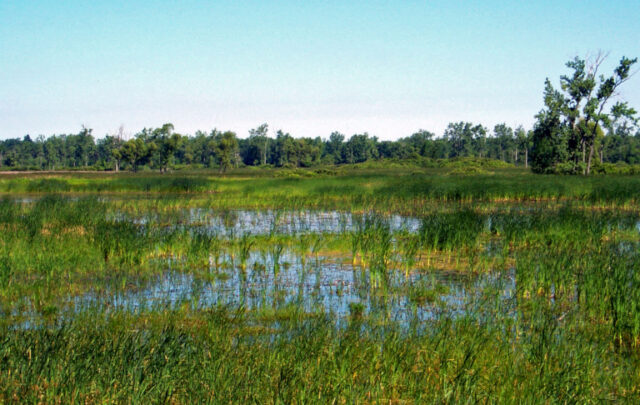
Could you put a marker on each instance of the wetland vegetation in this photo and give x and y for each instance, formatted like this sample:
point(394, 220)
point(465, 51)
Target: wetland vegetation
point(294, 286)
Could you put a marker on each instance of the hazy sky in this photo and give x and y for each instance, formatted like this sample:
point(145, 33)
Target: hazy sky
point(307, 67)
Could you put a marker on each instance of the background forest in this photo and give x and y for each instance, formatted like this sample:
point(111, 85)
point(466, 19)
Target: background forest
point(162, 148)
point(582, 128)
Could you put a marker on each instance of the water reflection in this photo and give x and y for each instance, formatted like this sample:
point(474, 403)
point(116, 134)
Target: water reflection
point(240, 222)
point(329, 286)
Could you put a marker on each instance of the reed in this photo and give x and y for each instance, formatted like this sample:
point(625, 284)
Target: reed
point(489, 291)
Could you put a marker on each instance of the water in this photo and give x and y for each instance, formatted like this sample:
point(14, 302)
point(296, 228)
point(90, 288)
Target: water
point(329, 286)
point(240, 222)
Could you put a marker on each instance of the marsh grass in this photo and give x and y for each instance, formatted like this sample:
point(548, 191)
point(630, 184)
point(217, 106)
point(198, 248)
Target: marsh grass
point(567, 330)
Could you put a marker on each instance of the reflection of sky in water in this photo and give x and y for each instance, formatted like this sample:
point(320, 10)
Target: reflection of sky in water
point(239, 222)
point(329, 287)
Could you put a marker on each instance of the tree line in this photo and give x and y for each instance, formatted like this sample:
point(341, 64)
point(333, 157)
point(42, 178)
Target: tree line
point(579, 129)
point(162, 148)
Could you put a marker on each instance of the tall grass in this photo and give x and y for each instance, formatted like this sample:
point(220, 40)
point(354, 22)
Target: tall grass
point(568, 332)
point(388, 189)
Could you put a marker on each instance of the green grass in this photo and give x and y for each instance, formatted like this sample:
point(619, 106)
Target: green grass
point(567, 332)
point(388, 188)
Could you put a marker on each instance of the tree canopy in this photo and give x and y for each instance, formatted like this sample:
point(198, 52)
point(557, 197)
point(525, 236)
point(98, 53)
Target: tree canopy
point(569, 129)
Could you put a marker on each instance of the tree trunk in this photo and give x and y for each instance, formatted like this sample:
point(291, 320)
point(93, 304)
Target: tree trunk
point(588, 170)
point(601, 154)
point(526, 158)
point(117, 165)
point(264, 152)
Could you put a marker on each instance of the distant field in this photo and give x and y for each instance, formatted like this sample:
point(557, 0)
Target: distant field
point(343, 184)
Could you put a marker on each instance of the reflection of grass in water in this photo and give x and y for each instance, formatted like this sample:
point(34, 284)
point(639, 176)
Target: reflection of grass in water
point(423, 293)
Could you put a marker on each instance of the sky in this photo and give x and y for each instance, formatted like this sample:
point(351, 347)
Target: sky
point(388, 68)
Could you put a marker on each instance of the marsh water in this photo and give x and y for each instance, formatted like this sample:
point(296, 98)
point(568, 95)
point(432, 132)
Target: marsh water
point(239, 222)
point(311, 283)
point(323, 284)
point(327, 286)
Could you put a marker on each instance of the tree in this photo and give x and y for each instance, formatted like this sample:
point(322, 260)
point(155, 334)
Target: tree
point(580, 108)
point(226, 150)
point(109, 151)
point(503, 134)
point(83, 146)
point(360, 148)
point(117, 145)
point(167, 143)
point(420, 142)
point(137, 152)
point(464, 138)
point(583, 131)
point(549, 147)
point(333, 147)
point(523, 142)
point(259, 140)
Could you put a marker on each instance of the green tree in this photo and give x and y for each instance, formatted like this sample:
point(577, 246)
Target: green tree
point(226, 150)
point(259, 144)
point(549, 143)
point(523, 144)
point(83, 146)
point(421, 142)
point(167, 143)
point(109, 149)
point(583, 101)
point(465, 138)
point(360, 148)
point(333, 147)
point(137, 151)
point(503, 134)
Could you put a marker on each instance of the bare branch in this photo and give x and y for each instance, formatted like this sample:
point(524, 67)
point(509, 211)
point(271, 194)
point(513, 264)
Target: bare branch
point(593, 64)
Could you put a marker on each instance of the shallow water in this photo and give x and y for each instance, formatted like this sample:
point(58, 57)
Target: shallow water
point(240, 222)
point(328, 286)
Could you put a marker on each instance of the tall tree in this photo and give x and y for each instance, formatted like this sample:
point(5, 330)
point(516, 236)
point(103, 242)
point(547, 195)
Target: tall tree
point(167, 143)
point(581, 107)
point(503, 134)
point(360, 148)
point(549, 134)
point(523, 144)
point(464, 137)
point(138, 151)
point(226, 150)
point(259, 139)
point(333, 147)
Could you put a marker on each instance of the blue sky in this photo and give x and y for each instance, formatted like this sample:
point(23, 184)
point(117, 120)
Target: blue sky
point(307, 67)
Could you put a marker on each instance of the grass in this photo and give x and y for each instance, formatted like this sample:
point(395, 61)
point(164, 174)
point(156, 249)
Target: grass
point(389, 189)
point(566, 329)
